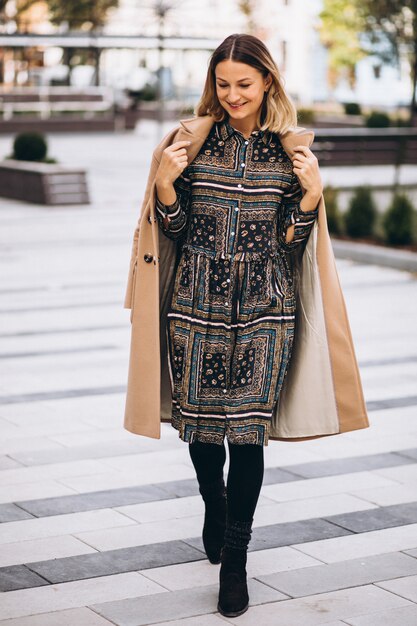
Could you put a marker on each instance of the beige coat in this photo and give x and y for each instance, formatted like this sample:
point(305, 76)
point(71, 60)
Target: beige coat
point(322, 392)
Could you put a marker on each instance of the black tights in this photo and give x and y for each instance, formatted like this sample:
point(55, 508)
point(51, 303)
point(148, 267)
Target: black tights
point(244, 480)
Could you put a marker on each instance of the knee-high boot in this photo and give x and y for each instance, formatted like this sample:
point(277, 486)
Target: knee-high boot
point(215, 499)
point(233, 592)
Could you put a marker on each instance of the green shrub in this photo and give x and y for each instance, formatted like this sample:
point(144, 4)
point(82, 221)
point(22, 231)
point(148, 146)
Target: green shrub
point(305, 116)
point(187, 110)
point(352, 108)
point(30, 146)
point(361, 214)
point(334, 222)
point(398, 220)
point(377, 119)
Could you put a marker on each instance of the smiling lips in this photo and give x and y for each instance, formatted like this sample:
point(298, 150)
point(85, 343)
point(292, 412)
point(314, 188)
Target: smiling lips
point(236, 106)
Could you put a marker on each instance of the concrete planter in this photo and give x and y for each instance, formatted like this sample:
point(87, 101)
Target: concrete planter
point(43, 183)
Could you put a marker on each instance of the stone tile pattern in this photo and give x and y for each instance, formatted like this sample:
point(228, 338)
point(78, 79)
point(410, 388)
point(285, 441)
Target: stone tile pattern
point(337, 540)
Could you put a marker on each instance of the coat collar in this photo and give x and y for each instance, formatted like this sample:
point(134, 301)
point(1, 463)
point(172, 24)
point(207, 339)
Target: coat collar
point(199, 127)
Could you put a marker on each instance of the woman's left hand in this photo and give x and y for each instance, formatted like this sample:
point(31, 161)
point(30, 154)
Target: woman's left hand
point(306, 168)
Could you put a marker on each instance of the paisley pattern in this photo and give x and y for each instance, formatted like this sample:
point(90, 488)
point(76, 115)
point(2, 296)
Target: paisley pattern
point(231, 320)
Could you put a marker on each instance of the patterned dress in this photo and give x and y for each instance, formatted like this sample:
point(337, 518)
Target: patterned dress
point(231, 321)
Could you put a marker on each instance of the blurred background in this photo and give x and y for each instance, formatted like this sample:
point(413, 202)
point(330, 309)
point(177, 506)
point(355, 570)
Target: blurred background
point(94, 66)
point(332, 52)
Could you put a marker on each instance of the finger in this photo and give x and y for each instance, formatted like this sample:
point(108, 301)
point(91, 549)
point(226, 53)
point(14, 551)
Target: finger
point(178, 151)
point(302, 148)
point(298, 171)
point(179, 144)
point(299, 161)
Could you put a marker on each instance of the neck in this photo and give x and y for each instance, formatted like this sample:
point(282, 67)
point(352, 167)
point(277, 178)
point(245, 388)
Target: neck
point(245, 126)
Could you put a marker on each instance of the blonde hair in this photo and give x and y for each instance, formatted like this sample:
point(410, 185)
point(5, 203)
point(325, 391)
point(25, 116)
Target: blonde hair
point(277, 112)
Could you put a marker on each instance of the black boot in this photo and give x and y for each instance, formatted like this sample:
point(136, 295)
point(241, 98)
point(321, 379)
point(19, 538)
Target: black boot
point(215, 499)
point(233, 592)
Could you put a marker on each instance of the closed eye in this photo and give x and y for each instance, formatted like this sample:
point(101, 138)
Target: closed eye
point(223, 86)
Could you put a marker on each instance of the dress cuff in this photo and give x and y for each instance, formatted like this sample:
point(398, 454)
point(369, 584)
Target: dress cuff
point(300, 216)
point(166, 209)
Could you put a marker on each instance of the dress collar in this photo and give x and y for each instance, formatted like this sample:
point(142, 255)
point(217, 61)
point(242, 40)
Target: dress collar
point(224, 130)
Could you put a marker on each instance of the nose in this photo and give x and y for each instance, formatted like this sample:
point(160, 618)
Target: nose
point(234, 98)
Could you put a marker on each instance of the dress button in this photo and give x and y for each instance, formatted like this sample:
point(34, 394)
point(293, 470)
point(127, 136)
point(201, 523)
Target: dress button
point(148, 258)
point(246, 142)
point(224, 390)
point(233, 232)
point(239, 185)
point(297, 219)
point(236, 208)
point(242, 165)
point(228, 280)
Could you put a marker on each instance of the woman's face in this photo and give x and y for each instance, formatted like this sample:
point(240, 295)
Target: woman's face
point(240, 88)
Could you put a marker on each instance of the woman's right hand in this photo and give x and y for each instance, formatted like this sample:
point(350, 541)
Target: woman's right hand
point(174, 160)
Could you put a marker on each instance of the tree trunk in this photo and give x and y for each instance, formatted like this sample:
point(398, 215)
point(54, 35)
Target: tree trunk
point(97, 55)
point(68, 54)
point(414, 78)
point(413, 94)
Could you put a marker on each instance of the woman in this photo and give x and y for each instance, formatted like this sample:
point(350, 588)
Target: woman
point(219, 264)
point(239, 212)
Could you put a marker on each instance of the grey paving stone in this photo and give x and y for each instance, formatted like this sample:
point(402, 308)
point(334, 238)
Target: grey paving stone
point(390, 361)
point(273, 475)
point(276, 535)
point(405, 587)
point(353, 573)
point(59, 307)
point(68, 617)
point(12, 513)
point(176, 488)
point(412, 552)
point(376, 519)
point(410, 453)
point(180, 488)
point(373, 519)
point(42, 353)
point(116, 561)
point(95, 500)
point(384, 459)
point(177, 604)
point(41, 396)
point(96, 451)
point(67, 330)
point(407, 510)
point(391, 403)
point(332, 467)
point(19, 577)
point(404, 616)
point(8, 463)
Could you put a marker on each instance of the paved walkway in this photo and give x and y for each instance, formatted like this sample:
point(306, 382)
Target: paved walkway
point(101, 527)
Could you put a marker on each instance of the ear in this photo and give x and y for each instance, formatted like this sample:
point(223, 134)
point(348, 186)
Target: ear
point(268, 81)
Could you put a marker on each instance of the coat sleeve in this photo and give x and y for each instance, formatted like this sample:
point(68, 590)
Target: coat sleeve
point(134, 248)
point(292, 214)
point(173, 218)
